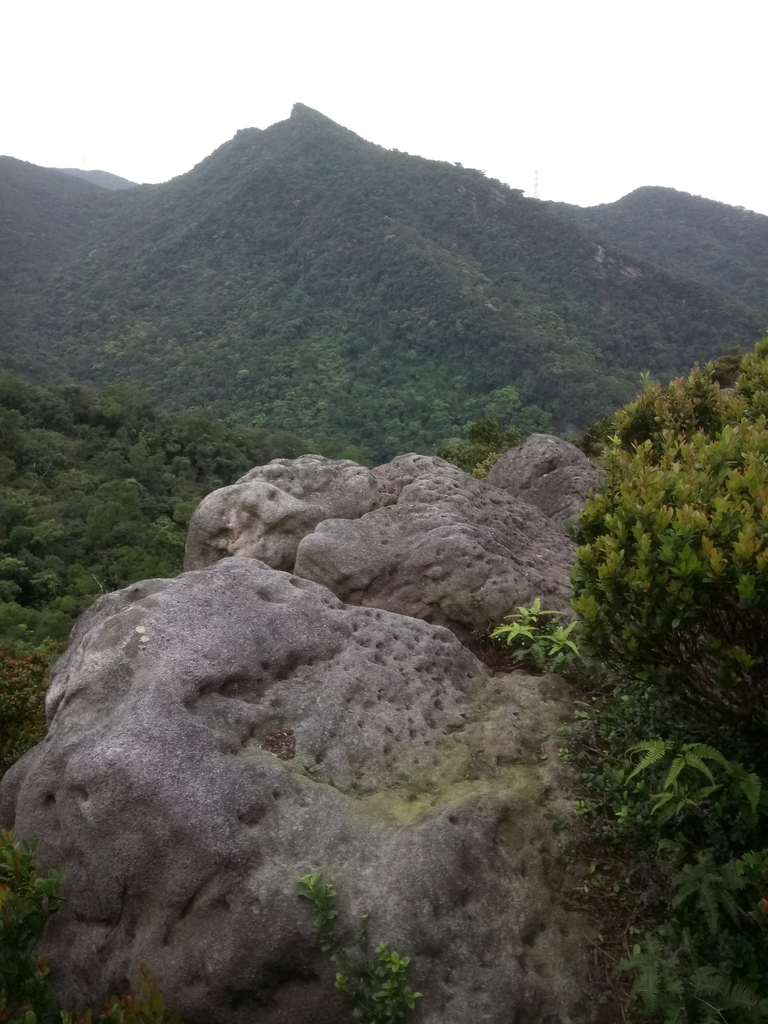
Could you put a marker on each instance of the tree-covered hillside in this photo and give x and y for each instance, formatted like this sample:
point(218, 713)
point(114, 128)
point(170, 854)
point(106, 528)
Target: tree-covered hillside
point(103, 178)
point(96, 489)
point(303, 277)
point(725, 247)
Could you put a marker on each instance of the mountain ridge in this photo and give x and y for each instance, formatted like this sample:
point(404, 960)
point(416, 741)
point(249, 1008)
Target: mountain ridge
point(104, 179)
point(303, 277)
point(722, 246)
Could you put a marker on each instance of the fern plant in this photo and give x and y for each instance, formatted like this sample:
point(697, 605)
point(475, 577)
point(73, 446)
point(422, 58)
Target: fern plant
point(539, 642)
point(682, 785)
point(674, 989)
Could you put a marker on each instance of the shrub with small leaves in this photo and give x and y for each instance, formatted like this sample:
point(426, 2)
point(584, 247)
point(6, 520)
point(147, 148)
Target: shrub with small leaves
point(377, 988)
point(671, 581)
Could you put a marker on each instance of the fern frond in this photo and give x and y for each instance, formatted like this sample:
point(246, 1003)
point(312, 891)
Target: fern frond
point(654, 752)
point(708, 982)
point(674, 770)
point(754, 863)
point(748, 783)
point(694, 761)
point(705, 752)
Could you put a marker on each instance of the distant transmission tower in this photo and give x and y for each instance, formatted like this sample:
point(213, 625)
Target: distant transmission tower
point(535, 184)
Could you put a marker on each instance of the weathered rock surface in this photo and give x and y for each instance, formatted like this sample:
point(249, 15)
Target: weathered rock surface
point(417, 536)
point(267, 512)
point(548, 472)
point(424, 479)
point(462, 562)
point(215, 736)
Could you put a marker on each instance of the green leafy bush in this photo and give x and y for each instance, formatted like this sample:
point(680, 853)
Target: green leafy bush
point(483, 446)
point(671, 581)
point(675, 835)
point(705, 961)
point(23, 684)
point(376, 987)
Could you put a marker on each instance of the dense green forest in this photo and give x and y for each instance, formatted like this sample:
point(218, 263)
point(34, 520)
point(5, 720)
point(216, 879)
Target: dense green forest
point(303, 277)
point(96, 489)
point(721, 246)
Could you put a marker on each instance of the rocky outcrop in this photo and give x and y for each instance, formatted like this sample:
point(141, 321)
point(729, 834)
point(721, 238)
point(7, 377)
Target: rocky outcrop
point(417, 536)
point(462, 562)
point(267, 512)
point(215, 736)
point(547, 472)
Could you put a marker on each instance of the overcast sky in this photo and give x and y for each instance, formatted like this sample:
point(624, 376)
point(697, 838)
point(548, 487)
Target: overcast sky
point(601, 96)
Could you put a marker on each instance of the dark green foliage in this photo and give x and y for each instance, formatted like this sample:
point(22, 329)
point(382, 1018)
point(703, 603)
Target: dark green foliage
point(304, 278)
point(672, 588)
point(23, 684)
point(676, 833)
point(672, 574)
point(724, 247)
point(505, 423)
point(484, 445)
point(726, 369)
point(26, 903)
point(595, 438)
point(95, 492)
point(376, 987)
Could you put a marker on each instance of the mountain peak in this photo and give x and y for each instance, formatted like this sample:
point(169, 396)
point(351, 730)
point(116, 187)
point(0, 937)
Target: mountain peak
point(302, 110)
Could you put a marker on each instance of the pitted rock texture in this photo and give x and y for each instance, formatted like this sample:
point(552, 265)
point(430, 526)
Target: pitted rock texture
point(267, 512)
point(463, 562)
point(548, 472)
point(425, 478)
point(417, 536)
point(418, 784)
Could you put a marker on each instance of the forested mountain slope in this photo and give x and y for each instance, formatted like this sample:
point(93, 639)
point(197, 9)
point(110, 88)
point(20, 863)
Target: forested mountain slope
point(102, 178)
point(95, 492)
point(307, 279)
point(719, 245)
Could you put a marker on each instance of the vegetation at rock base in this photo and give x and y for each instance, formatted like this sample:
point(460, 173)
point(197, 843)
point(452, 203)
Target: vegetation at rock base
point(675, 836)
point(304, 278)
point(538, 639)
point(377, 987)
point(668, 744)
point(26, 903)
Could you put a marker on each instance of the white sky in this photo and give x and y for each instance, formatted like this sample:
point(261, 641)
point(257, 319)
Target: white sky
point(601, 96)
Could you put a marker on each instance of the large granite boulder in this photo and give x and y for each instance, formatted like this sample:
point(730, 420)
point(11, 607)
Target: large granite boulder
point(463, 562)
point(416, 536)
point(215, 736)
point(547, 472)
point(267, 512)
